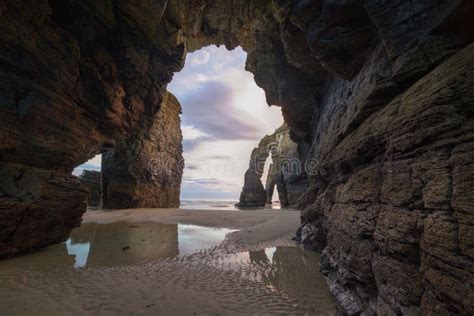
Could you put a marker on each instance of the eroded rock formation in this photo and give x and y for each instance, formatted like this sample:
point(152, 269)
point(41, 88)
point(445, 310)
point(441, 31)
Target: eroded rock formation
point(390, 205)
point(146, 170)
point(288, 169)
point(285, 172)
point(92, 180)
point(253, 192)
point(377, 94)
point(270, 184)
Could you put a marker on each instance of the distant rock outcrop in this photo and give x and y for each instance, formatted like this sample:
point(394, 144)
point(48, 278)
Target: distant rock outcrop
point(285, 172)
point(253, 193)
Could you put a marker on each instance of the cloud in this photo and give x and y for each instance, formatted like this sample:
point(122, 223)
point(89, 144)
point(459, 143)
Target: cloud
point(201, 58)
point(209, 109)
point(191, 145)
point(192, 133)
point(225, 115)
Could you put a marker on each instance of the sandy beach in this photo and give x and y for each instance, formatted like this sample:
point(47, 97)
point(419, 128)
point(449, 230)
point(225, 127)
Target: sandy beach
point(170, 262)
point(254, 227)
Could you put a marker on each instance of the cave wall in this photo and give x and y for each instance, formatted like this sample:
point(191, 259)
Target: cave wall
point(390, 207)
point(377, 94)
point(76, 78)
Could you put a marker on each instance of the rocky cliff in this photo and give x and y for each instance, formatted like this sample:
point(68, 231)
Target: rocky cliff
point(253, 192)
point(288, 172)
point(285, 172)
point(377, 95)
point(146, 170)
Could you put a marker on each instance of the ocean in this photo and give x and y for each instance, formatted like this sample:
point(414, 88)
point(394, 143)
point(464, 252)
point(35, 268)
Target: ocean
point(224, 205)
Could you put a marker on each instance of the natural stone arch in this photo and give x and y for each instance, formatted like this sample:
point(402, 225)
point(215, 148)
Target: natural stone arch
point(286, 171)
point(379, 105)
point(146, 170)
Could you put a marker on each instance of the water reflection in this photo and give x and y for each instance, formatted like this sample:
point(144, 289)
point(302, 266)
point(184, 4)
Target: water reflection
point(80, 251)
point(289, 272)
point(192, 238)
point(124, 243)
point(98, 258)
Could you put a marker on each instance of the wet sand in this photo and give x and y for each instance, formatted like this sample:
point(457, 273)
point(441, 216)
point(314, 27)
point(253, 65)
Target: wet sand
point(170, 262)
point(255, 227)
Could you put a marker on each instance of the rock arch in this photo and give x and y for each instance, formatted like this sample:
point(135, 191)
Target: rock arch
point(286, 172)
point(380, 91)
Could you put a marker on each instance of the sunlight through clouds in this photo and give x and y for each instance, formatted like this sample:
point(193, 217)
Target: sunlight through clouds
point(225, 114)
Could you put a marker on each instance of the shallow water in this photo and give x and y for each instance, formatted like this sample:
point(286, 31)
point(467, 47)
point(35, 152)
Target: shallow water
point(125, 243)
point(152, 268)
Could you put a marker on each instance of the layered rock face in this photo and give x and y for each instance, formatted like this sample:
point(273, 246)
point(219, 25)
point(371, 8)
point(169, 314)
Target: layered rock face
point(146, 170)
point(377, 95)
point(390, 206)
point(76, 77)
point(37, 207)
point(92, 180)
point(285, 172)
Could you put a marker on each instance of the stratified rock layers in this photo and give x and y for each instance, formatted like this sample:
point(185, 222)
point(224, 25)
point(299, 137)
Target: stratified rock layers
point(38, 207)
point(391, 206)
point(377, 95)
point(146, 170)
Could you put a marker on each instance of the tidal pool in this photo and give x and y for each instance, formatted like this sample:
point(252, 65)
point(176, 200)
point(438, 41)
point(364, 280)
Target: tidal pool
point(153, 268)
point(126, 243)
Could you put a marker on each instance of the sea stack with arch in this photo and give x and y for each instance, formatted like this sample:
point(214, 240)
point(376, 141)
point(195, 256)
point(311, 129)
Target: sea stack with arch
point(286, 172)
point(379, 93)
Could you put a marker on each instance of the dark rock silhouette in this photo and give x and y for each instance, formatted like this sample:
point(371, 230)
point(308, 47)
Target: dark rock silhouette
point(377, 95)
point(285, 172)
point(146, 170)
point(92, 180)
point(253, 193)
point(270, 184)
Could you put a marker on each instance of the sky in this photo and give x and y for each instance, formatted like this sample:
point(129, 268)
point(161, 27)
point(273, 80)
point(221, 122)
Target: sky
point(224, 116)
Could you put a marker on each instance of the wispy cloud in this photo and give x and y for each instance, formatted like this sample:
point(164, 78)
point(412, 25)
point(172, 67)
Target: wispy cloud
point(224, 117)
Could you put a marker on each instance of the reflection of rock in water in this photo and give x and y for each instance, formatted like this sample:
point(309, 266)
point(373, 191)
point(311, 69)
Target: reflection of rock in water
point(48, 258)
point(259, 257)
point(277, 280)
point(125, 243)
point(295, 274)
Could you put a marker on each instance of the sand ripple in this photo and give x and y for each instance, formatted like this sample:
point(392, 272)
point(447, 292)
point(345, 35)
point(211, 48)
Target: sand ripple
point(272, 277)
